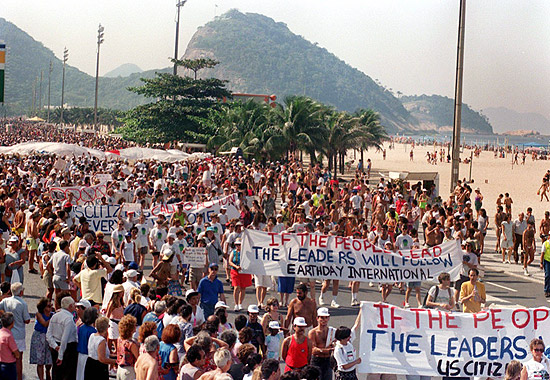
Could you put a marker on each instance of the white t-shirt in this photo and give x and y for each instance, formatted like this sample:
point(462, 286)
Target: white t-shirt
point(470, 258)
point(404, 242)
point(356, 202)
point(443, 296)
point(344, 355)
point(158, 236)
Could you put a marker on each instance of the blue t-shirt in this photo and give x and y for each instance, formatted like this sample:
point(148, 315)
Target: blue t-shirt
point(209, 290)
point(84, 332)
point(39, 327)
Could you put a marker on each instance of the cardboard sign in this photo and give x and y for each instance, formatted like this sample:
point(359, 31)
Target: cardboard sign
point(195, 257)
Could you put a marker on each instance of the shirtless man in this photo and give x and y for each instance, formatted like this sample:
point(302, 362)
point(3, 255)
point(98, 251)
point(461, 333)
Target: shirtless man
point(147, 366)
point(529, 246)
point(508, 203)
point(432, 233)
point(544, 227)
point(498, 225)
point(322, 340)
point(32, 239)
point(302, 306)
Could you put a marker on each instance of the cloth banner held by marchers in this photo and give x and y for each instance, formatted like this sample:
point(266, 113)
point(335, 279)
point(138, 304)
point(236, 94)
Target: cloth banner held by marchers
point(104, 217)
point(431, 342)
point(344, 258)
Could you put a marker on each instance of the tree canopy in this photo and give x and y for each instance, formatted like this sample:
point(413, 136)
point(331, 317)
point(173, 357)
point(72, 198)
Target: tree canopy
point(180, 111)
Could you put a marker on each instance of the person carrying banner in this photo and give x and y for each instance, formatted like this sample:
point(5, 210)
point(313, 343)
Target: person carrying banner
point(322, 340)
point(302, 307)
point(296, 351)
point(440, 296)
point(472, 293)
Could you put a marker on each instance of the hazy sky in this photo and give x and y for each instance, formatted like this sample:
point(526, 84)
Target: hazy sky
point(409, 45)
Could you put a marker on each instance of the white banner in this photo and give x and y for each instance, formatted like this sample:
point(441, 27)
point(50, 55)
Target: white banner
point(435, 343)
point(344, 258)
point(104, 217)
point(79, 195)
point(206, 209)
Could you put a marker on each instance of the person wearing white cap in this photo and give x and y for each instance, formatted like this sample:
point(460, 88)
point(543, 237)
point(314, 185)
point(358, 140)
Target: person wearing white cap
point(322, 340)
point(296, 351)
point(15, 258)
point(258, 336)
point(130, 283)
point(273, 340)
point(240, 281)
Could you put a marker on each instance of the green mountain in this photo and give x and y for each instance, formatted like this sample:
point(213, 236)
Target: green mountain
point(26, 58)
point(436, 113)
point(259, 55)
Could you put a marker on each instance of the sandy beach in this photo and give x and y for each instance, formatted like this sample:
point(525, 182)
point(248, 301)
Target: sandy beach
point(492, 176)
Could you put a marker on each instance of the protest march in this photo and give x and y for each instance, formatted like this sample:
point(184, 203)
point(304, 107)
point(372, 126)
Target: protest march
point(212, 266)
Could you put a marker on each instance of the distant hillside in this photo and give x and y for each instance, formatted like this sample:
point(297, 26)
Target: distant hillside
point(259, 55)
point(25, 59)
point(437, 113)
point(504, 119)
point(123, 71)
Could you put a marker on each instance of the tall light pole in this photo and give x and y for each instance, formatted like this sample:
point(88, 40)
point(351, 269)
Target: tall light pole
point(65, 58)
point(99, 42)
point(40, 95)
point(455, 163)
point(49, 88)
point(179, 4)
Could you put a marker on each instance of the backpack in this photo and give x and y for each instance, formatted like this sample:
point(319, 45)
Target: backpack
point(434, 297)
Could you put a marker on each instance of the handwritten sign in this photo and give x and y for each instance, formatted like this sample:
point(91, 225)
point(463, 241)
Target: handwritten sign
point(206, 209)
point(435, 343)
point(103, 177)
point(195, 257)
point(344, 258)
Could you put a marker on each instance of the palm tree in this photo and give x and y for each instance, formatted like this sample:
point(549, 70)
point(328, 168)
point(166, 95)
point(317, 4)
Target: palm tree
point(248, 126)
point(300, 124)
point(374, 134)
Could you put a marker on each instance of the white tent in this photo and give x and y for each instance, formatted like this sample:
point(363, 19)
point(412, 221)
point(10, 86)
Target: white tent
point(170, 155)
point(61, 149)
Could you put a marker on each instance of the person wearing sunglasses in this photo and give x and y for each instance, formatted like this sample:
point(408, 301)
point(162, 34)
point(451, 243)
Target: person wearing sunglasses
point(210, 287)
point(539, 366)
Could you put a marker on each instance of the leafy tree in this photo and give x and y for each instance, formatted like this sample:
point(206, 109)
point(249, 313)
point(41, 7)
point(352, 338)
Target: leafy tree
point(196, 64)
point(180, 111)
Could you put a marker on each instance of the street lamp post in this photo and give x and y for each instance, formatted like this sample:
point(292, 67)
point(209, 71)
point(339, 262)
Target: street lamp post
point(455, 160)
point(99, 42)
point(179, 4)
point(49, 89)
point(65, 58)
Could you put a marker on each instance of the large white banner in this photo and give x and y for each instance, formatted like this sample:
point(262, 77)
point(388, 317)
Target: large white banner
point(435, 343)
point(104, 217)
point(344, 258)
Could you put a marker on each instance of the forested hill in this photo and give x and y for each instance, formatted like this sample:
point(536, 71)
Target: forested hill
point(26, 58)
point(436, 112)
point(259, 55)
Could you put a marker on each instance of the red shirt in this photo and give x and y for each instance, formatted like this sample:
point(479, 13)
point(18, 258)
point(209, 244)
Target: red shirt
point(7, 346)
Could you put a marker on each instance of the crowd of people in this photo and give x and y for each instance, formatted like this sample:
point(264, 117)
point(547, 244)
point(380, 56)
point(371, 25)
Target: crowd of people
point(105, 311)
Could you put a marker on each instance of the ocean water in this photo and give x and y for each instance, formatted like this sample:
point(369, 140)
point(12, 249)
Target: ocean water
point(482, 140)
